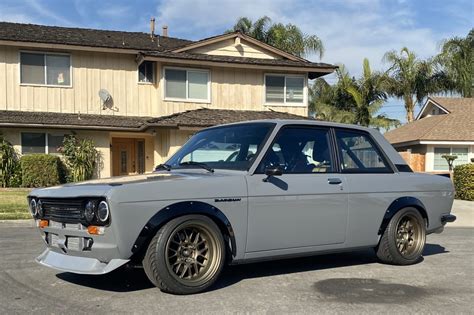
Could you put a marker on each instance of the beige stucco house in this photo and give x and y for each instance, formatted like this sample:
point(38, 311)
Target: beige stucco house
point(444, 126)
point(139, 96)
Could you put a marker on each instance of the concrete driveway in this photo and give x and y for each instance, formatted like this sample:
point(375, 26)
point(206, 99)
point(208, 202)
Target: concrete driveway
point(340, 283)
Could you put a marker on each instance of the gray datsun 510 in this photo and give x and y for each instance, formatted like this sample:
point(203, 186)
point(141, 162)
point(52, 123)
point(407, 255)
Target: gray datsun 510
point(245, 192)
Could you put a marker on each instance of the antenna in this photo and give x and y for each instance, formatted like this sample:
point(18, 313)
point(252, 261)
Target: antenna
point(107, 100)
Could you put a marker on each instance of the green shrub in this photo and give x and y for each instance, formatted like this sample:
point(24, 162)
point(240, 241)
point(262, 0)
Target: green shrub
point(41, 170)
point(9, 164)
point(15, 180)
point(81, 157)
point(464, 181)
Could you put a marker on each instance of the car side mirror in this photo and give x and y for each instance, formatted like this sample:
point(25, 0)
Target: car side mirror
point(272, 171)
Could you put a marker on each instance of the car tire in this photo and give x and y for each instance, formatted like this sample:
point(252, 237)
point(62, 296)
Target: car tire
point(403, 240)
point(186, 255)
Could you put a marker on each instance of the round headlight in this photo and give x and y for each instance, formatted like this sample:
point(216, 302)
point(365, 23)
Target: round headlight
point(33, 208)
point(89, 212)
point(39, 209)
point(103, 211)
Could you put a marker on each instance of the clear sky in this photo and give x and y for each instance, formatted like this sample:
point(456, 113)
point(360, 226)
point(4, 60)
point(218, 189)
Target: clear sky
point(350, 30)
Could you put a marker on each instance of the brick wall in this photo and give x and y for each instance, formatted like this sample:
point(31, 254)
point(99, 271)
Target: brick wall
point(415, 160)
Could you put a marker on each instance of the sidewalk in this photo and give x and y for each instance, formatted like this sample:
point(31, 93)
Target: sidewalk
point(464, 211)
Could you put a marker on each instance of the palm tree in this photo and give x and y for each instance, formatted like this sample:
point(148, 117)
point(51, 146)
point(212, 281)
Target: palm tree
point(351, 101)
point(322, 97)
point(411, 79)
point(336, 95)
point(369, 96)
point(456, 58)
point(287, 37)
point(257, 29)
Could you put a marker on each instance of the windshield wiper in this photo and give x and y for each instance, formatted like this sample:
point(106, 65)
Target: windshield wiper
point(201, 165)
point(165, 167)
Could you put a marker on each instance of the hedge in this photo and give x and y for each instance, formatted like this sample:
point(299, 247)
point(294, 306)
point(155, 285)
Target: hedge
point(464, 181)
point(41, 170)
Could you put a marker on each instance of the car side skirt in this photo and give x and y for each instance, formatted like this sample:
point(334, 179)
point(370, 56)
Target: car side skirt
point(177, 210)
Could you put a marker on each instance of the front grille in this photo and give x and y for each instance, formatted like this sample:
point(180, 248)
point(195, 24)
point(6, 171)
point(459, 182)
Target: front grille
point(63, 210)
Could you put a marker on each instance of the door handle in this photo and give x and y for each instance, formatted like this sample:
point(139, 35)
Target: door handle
point(334, 181)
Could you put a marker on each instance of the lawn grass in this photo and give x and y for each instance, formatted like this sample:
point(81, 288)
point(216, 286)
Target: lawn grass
point(13, 204)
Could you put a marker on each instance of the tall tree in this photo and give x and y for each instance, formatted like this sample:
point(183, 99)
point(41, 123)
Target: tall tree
point(457, 59)
point(369, 96)
point(287, 37)
point(350, 100)
point(336, 95)
point(323, 100)
point(411, 79)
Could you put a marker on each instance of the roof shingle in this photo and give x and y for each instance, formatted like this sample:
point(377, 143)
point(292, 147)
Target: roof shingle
point(458, 125)
point(245, 60)
point(47, 119)
point(199, 118)
point(137, 41)
point(87, 37)
point(206, 117)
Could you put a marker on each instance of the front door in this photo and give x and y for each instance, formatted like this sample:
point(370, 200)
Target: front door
point(307, 205)
point(127, 156)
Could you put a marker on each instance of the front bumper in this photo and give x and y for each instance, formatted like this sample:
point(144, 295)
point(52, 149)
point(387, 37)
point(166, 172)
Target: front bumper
point(80, 265)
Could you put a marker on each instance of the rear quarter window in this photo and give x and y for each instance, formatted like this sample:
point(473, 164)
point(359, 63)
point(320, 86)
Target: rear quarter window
point(359, 154)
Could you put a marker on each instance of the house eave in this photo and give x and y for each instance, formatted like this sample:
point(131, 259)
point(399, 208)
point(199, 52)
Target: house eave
point(318, 71)
point(430, 142)
point(428, 101)
point(78, 127)
point(68, 47)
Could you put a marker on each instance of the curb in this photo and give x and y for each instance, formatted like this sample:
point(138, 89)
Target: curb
point(19, 223)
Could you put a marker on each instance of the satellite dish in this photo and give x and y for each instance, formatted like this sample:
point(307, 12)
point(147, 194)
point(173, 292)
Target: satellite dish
point(107, 100)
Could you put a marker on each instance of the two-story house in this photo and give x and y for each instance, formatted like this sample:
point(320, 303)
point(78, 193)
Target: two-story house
point(139, 96)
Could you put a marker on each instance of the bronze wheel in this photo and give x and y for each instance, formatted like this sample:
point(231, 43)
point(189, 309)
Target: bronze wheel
point(192, 254)
point(410, 236)
point(186, 255)
point(403, 240)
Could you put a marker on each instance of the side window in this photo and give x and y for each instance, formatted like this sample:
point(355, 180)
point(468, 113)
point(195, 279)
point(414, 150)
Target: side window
point(359, 154)
point(299, 150)
point(146, 72)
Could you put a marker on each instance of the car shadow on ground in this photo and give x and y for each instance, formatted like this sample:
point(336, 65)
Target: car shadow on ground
point(134, 279)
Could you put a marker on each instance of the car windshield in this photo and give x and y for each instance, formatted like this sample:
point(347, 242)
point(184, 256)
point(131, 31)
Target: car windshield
point(230, 147)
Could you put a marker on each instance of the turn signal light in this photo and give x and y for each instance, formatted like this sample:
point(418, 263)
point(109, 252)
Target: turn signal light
point(95, 230)
point(43, 224)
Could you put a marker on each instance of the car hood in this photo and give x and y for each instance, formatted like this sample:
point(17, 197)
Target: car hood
point(100, 187)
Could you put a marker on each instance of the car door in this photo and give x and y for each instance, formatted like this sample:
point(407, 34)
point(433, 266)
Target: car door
point(304, 207)
point(371, 183)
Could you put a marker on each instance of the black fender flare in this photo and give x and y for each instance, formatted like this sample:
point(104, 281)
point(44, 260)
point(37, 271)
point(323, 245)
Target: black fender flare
point(179, 209)
point(397, 205)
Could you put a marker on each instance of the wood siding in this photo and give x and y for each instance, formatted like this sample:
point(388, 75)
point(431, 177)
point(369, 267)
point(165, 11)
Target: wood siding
point(231, 88)
point(228, 48)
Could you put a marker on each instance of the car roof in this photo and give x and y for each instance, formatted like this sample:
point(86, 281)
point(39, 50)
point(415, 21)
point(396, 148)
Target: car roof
point(283, 122)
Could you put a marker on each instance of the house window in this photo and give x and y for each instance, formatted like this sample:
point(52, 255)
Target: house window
point(33, 142)
point(284, 89)
point(45, 69)
point(440, 163)
point(185, 84)
point(54, 143)
point(146, 72)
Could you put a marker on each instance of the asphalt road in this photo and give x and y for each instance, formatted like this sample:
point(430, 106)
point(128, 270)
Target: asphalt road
point(338, 283)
